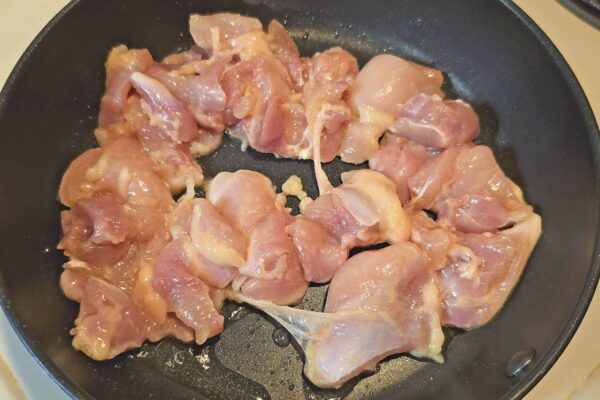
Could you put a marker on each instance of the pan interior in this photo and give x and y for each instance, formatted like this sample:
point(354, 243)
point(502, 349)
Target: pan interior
point(530, 114)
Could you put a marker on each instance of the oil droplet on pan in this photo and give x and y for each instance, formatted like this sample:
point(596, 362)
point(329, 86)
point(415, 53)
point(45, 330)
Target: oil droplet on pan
point(281, 337)
point(518, 362)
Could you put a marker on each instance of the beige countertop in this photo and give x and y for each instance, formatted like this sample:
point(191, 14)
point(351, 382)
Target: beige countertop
point(576, 375)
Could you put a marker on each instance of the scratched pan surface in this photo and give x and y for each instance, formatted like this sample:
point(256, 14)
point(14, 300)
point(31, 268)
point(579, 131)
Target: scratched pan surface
point(532, 112)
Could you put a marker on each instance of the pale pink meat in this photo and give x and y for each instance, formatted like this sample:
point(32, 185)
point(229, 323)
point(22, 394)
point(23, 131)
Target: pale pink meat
point(320, 253)
point(118, 212)
point(436, 123)
point(433, 177)
point(70, 190)
point(467, 188)
point(158, 121)
point(98, 230)
point(438, 242)
point(251, 87)
point(284, 48)
point(361, 142)
point(330, 76)
point(272, 270)
point(371, 198)
point(287, 289)
point(385, 82)
point(363, 211)
point(109, 322)
point(172, 326)
point(186, 295)
point(329, 211)
point(481, 197)
point(197, 85)
point(380, 303)
point(215, 249)
point(475, 288)
point(214, 237)
point(120, 65)
point(244, 198)
point(144, 267)
point(166, 113)
point(119, 167)
point(270, 250)
point(215, 32)
point(72, 283)
point(399, 159)
point(194, 53)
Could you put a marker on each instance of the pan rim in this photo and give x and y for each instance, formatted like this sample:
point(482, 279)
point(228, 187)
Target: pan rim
point(547, 360)
point(544, 363)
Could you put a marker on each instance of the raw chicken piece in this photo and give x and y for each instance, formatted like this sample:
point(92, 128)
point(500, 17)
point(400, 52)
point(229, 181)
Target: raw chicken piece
point(121, 168)
point(172, 326)
point(194, 53)
point(287, 289)
point(380, 303)
point(361, 141)
point(134, 119)
point(363, 211)
point(330, 76)
point(109, 322)
point(120, 65)
point(475, 288)
point(152, 304)
point(255, 88)
point(98, 230)
point(438, 242)
point(166, 136)
point(399, 159)
point(481, 197)
point(126, 264)
point(74, 182)
point(159, 121)
point(320, 253)
point(272, 272)
point(197, 85)
point(186, 295)
point(284, 48)
point(114, 232)
point(269, 250)
point(214, 238)
point(330, 211)
point(157, 324)
point(433, 122)
point(433, 177)
point(215, 32)
point(72, 283)
point(215, 249)
point(470, 192)
point(385, 82)
point(380, 192)
point(244, 198)
point(166, 113)
point(118, 213)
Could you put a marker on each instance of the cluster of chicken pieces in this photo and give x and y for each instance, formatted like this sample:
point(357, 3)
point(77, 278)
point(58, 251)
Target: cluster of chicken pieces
point(144, 266)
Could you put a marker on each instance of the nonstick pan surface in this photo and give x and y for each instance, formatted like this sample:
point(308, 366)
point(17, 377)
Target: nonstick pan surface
point(533, 113)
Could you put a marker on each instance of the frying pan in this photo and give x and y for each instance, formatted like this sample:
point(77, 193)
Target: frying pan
point(533, 113)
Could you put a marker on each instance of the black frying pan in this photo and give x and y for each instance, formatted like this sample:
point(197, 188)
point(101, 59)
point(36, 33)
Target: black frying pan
point(533, 113)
